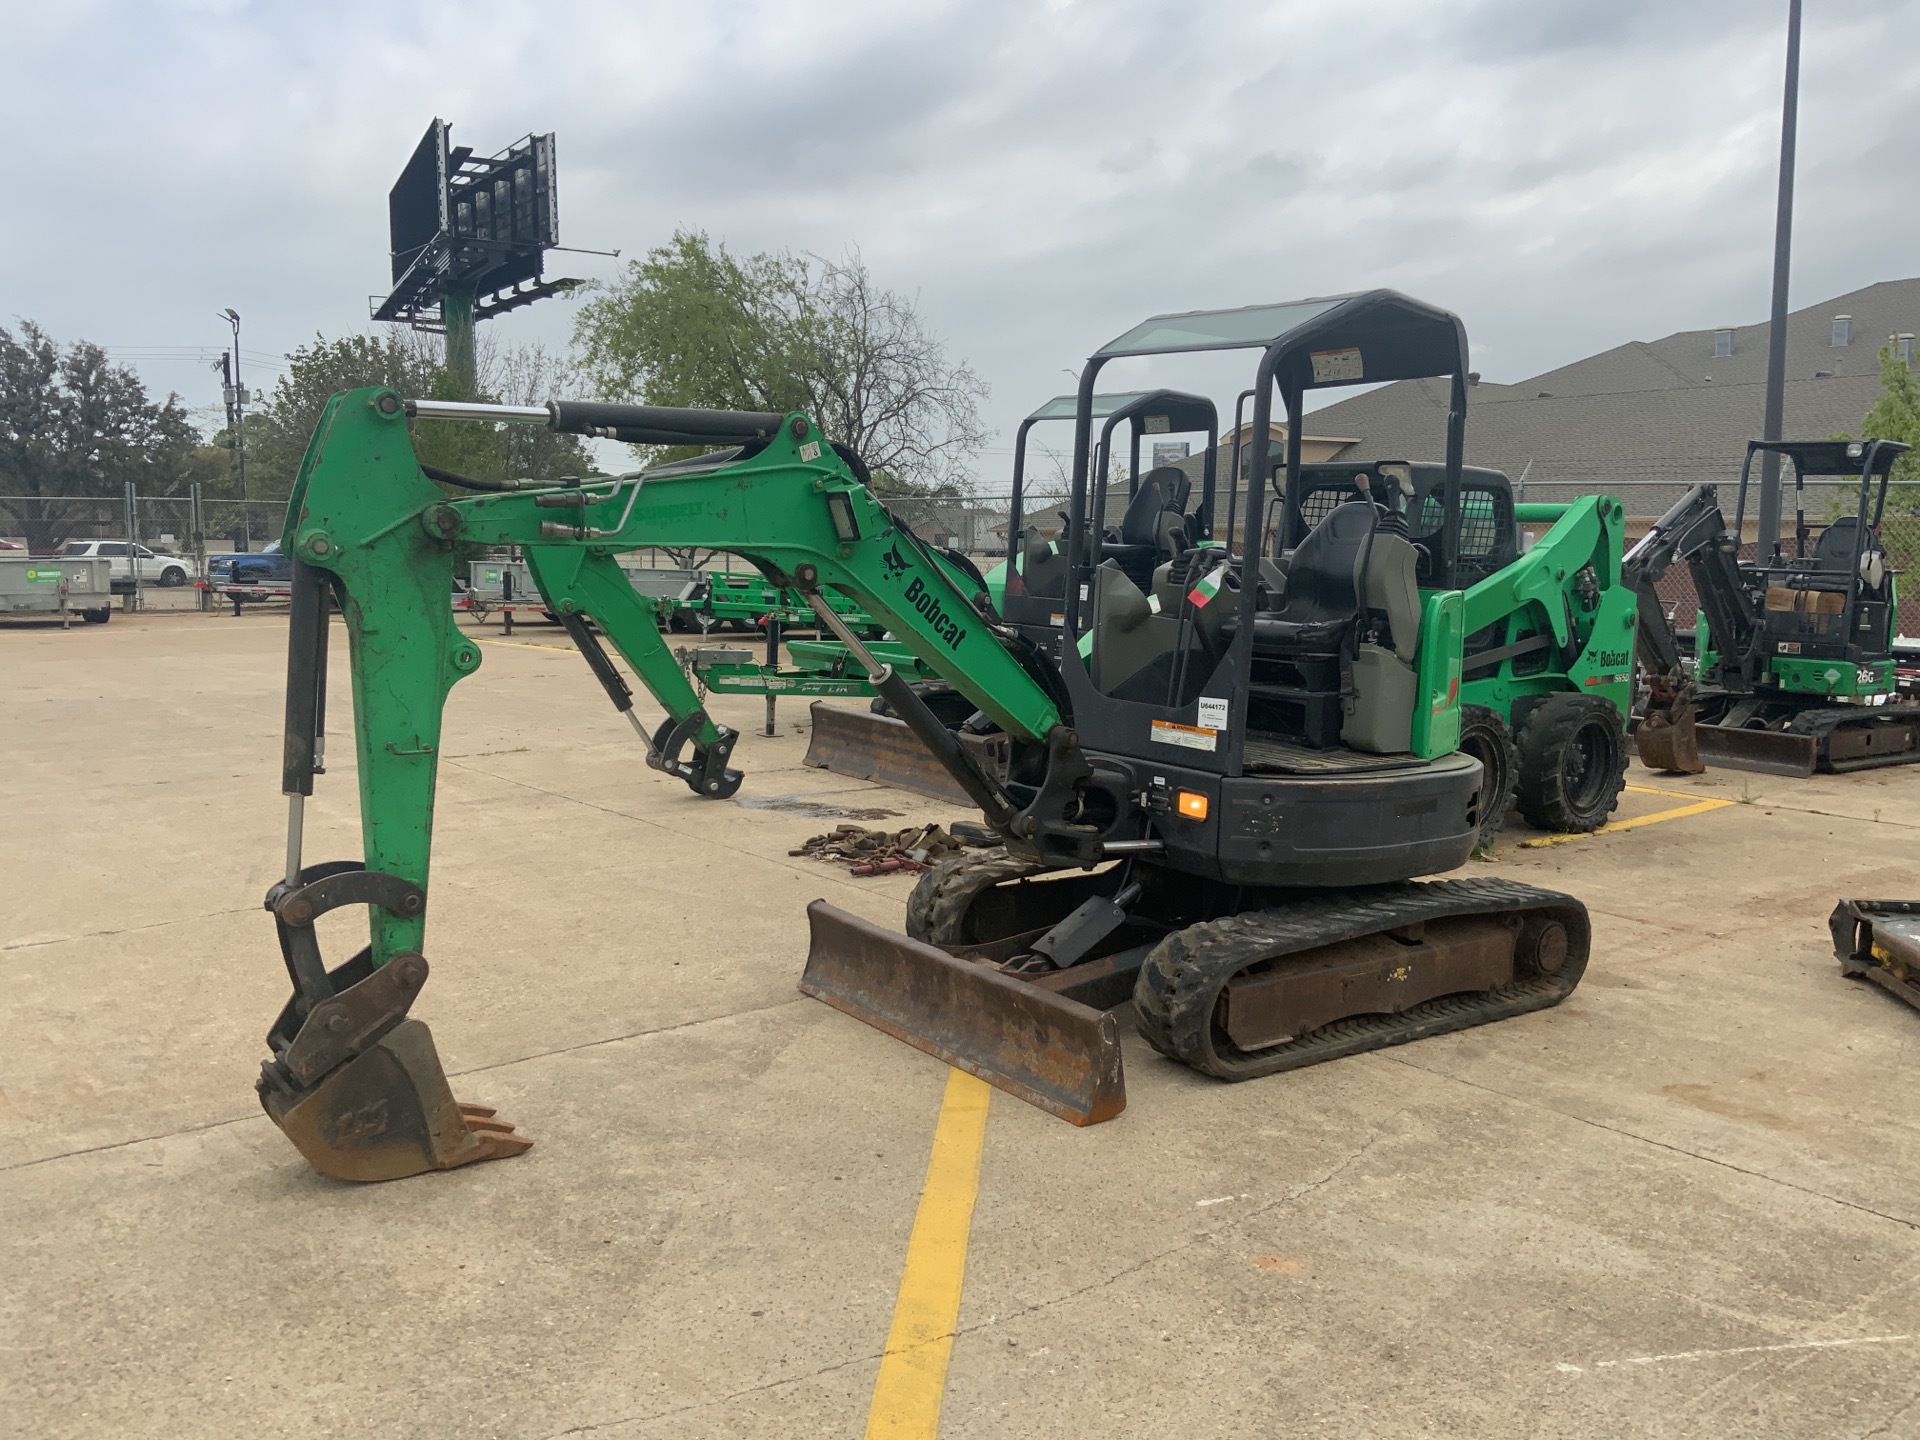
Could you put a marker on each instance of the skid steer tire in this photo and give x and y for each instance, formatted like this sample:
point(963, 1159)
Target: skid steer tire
point(1573, 763)
point(1484, 735)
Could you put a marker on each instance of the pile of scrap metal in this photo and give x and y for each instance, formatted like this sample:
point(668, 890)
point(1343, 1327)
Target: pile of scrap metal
point(885, 852)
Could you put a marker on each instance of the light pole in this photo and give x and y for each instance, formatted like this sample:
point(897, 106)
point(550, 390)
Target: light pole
point(1769, 536)
point(237, 408)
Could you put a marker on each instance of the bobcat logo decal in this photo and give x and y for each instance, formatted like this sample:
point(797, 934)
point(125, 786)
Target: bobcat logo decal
point(894, 561)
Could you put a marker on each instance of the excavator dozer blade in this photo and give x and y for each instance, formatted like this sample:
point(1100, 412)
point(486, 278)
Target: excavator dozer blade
point(388, 1113)
point(866, 746)
point(1045, 1048)
point(1771, 752)
point(881, 748)
point(1670, 742)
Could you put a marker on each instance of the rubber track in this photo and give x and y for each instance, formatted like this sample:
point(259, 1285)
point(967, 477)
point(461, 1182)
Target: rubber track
point(1822, 722)
point(1184, 974)
point(944, 895)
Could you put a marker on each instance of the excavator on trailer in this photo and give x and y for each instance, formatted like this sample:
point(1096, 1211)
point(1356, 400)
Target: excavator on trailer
point(1794, 669)
point(1168, 832)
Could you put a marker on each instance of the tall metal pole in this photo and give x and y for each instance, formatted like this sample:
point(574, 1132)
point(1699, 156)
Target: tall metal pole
point(456, 312)
point(1769, 537)
point(232, 317)
point(137, 599)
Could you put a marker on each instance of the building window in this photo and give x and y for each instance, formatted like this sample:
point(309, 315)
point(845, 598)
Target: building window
point(1904, 343)
point(1722, 344)
point(1842, 330)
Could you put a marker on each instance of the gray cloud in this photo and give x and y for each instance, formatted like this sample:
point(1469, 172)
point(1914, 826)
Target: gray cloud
point(1565, 176)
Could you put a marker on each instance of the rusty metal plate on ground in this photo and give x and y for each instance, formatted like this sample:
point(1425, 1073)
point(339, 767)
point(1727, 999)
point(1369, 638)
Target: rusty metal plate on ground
point(1879, 940)
point(1771, 752)
point(1050, 1051)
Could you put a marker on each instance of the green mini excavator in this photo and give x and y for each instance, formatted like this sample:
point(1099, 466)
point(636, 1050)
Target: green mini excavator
point(1171, 833)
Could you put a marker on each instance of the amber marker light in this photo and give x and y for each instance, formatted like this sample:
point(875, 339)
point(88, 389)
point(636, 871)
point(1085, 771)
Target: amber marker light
point(1192, 805)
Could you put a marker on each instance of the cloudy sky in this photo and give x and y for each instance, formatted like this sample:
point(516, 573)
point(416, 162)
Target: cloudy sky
point(1566, 174)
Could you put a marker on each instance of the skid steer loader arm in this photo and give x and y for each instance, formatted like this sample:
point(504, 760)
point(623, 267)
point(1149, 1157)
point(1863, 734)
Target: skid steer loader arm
point(353, 1079)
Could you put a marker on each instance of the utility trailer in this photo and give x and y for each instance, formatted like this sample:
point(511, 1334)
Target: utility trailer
point(80, 586)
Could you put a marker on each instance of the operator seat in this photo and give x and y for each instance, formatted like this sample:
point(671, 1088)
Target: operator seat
point(1348, 629)
point(1154, 527)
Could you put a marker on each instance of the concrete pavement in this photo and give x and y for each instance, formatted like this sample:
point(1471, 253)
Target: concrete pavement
point(1682, 1203)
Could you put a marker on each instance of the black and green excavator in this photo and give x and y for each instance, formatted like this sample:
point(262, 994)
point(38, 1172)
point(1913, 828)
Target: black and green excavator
point(1168, 834)
point(1793, 651)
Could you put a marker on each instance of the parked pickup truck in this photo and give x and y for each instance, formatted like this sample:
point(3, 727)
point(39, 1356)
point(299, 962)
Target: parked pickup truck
point(251, 574)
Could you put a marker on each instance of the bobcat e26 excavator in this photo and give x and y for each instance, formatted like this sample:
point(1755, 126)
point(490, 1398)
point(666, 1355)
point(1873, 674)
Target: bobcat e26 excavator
point(1168, 833)
point(1794, 663)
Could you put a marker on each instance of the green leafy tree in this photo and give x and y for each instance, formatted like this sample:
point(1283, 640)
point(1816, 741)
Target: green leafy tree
point(1896, 416)
point(74, 429)
point(694, 324)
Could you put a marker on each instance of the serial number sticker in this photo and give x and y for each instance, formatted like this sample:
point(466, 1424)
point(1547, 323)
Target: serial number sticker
point(1187, 737)
point(1332, 366)
point(810, 450)
point(1214, 712)
point(1606, 679)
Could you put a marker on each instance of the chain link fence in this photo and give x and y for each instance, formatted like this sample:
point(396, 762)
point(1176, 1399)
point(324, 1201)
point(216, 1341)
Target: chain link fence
point(172, 536)
point(194, 529)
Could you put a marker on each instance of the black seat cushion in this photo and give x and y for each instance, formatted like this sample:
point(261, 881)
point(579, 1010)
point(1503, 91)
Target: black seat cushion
point(1834, 549)
point(1277, 632)
point(1161, 490)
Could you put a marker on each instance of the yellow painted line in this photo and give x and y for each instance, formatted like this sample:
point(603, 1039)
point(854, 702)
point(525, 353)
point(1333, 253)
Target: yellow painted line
point(1671, 794)
point(1679, 812)
point(913, 1372)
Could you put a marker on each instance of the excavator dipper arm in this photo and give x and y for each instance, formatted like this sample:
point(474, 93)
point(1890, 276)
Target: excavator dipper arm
point(354, 1081)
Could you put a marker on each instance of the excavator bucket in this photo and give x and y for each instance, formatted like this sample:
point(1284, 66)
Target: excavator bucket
point(866, 746)
point(354, 1081)
point(1047, 1049)
point(1667, 738)
point(388, 1113)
